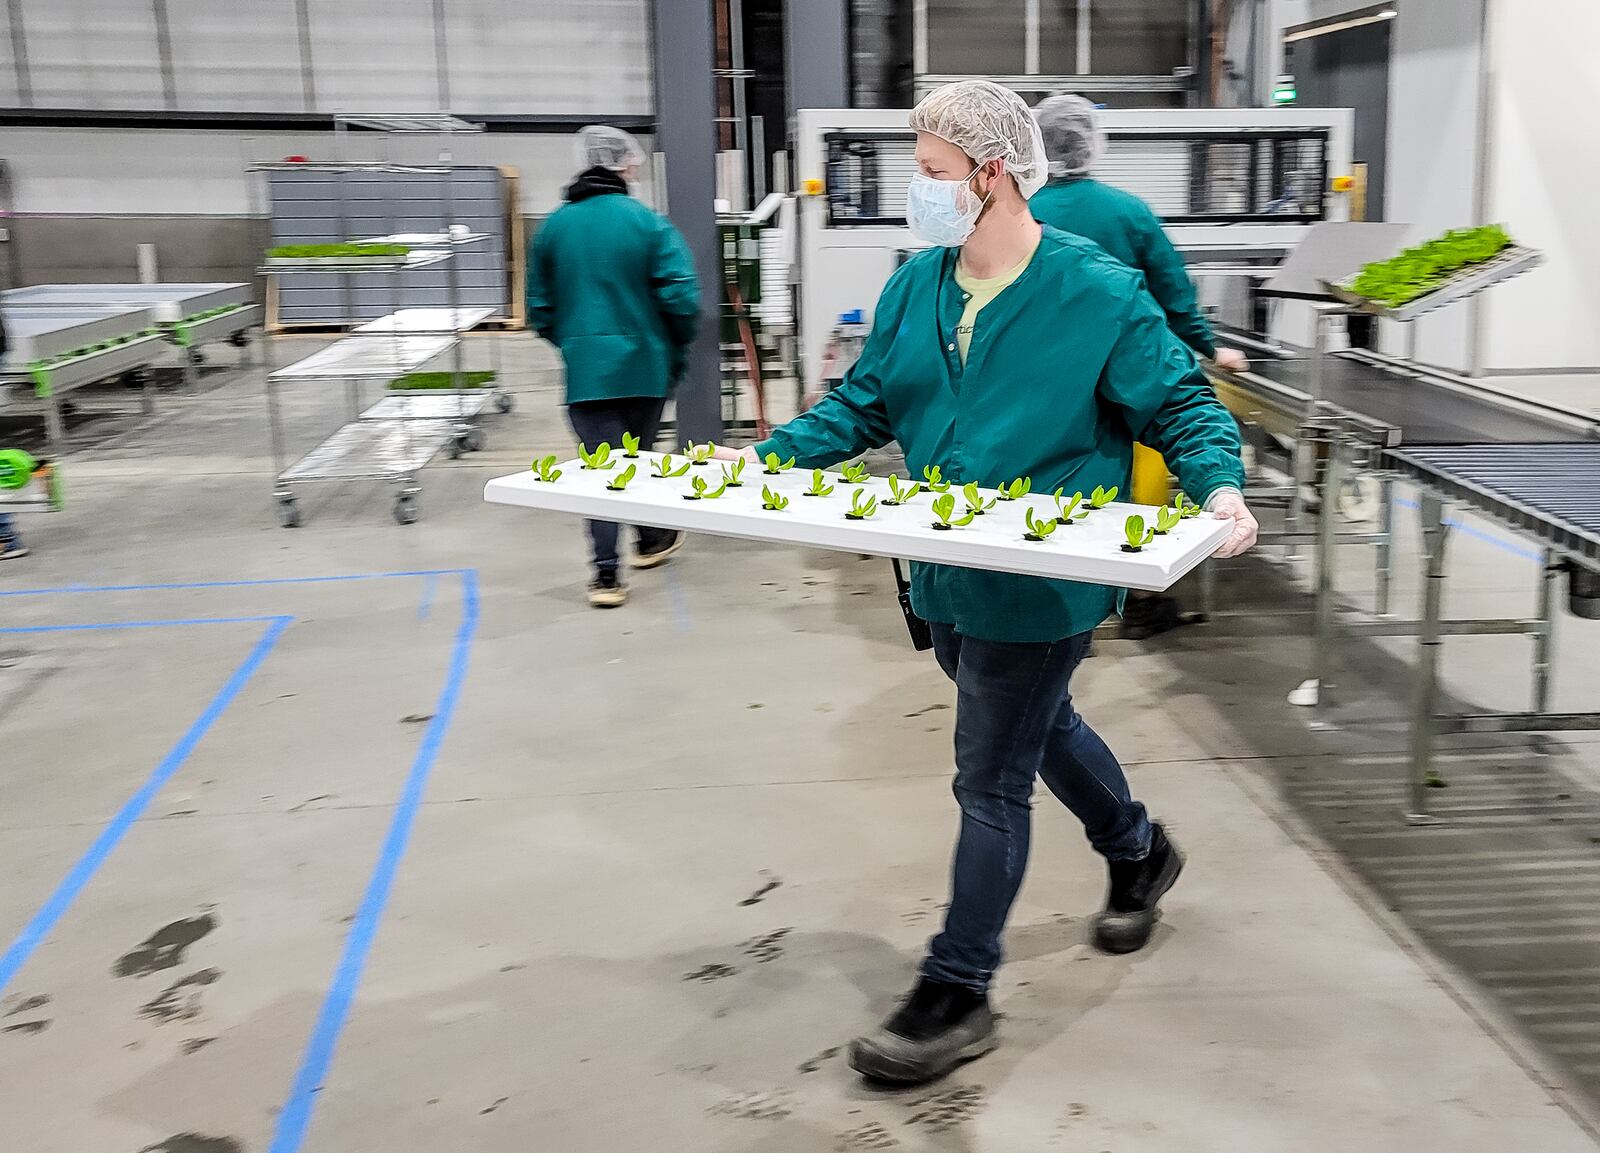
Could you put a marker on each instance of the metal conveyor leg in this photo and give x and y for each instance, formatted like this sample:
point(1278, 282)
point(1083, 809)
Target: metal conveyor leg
point(1435, 536)
point(1544, 636)
point(1385, 547)
point(1323, 638)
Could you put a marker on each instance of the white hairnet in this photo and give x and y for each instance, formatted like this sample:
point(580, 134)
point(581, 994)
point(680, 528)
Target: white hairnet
point(1072, 137)
point(987, 122)
point(602, 146)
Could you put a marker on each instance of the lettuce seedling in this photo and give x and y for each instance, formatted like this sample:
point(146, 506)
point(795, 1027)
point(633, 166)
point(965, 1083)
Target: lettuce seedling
point(620, 481)
point(731, 473)
point(545, 469)
point(899, 495)
point(861, 509)
point(1101, 497)
point(1138, 536)
point(776, 466)
point(630, 445)
point(935, 481)
point(818, 488)
point(665, 469)
point(854, 473)
point(1185, 507)
point(771, 501)
point(1038, 529)
point(600, 458)
point(700, 489)
point(1064, 512)
point(701, 453)
point(1015, 490)
point(944, 507)
point(1166, 520)
point(976, 505)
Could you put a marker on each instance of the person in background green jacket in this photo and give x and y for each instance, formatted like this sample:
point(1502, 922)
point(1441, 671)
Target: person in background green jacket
point(1124, 226)
point(611, 284)
point(1007, 350)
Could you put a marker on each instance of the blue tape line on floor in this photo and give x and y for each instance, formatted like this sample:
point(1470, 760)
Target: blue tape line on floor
point(1488, 538)
point(264, 582)
point(96, 626)
point(295, 1118)
point(34, 933)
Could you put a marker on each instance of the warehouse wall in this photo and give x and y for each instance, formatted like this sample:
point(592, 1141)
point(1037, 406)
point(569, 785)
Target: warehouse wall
point(1436, 102)
point(87, 196)
point(1543, 169)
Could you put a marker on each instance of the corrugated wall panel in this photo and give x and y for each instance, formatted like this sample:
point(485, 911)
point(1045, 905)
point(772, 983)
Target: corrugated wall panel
point(241, 56)
point(84, 54)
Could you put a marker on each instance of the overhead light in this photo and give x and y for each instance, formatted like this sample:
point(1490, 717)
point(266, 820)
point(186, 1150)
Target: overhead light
point(1377, 17)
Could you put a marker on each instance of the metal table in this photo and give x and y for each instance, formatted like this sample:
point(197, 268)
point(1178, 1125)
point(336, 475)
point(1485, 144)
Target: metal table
point(1550, 492)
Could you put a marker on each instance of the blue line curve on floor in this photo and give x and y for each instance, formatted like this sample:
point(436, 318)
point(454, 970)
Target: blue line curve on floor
point(37, 928)
point(263, 582)
point(96, 626)
point(295, 1117)
point(1488, 538)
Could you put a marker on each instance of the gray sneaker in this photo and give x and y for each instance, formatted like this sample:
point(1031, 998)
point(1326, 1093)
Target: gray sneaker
point(936, 1028)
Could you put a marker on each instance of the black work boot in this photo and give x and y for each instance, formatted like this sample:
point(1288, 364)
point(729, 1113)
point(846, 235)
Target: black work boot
point(1124, 926)
point(936, 1028)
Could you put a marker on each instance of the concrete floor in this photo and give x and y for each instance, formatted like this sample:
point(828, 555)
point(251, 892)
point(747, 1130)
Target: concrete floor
point(448, 860)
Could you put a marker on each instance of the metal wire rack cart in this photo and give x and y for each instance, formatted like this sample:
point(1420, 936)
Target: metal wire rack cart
point(404, 213)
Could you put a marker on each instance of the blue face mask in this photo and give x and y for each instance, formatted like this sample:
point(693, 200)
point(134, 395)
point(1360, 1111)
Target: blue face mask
point(942, 212)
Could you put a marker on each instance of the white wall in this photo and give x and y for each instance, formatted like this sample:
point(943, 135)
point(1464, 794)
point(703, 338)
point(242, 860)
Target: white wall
point(1544, 171)
point(160, 172)
point(1435, 106)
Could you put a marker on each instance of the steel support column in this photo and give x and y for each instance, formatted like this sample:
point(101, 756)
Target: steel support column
point(683, 58)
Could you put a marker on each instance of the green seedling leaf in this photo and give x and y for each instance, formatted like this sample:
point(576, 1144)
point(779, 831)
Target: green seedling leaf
point(630, 445)
point(697, 488)
point(776, 466)
point(1166, 520)
point(1038, 529)
point(713, 494)
point(935, 481)
point(854, 473)
point(1064, 511)
point(944, 507)
point(1102, 496)
point(818, 485)
point(620, 481)
point(731, 473)
point(976, 505)
point(545, 469)
point(771, 501)
point(600, 458)
point(1016, 489)
point(861, 505)
point(665, 468)
point(901, 494)
point(701, 453)
point(1138, 536)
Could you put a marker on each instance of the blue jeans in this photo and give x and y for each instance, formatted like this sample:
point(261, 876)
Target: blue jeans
point(1015, 721)
point(9, 536)
point(604, 421)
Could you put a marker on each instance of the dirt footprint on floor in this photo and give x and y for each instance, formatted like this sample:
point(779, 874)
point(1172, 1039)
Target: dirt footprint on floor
point(165, 948)
point(180, 1001)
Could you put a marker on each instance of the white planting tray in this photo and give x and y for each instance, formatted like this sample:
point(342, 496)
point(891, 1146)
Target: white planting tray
point(1088, 551)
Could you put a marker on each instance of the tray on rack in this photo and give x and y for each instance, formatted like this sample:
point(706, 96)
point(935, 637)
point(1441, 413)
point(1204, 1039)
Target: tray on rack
point(431, 405)
point(366, 356)
point(1458, 286)
point(373, 449)
point(431, 321)
point(1088, 550)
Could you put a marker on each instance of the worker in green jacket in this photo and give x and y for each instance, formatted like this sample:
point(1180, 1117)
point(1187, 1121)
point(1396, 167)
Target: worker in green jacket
point(1010, 349)
point(1124, 225)
point(612, 285)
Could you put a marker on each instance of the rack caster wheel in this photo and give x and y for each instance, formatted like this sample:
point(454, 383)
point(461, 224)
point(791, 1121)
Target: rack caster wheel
point(240, 339)
point(405, 509)
point(473, 441)
point(502, 402)
point(196, 357)
point(288, 512)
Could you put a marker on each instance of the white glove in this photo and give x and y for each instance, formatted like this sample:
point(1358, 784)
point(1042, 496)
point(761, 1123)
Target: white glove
point(1231, 359)
point(1228, 504)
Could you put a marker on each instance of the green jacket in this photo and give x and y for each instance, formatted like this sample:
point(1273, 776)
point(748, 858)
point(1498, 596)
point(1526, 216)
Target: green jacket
point(1124, 226)
point(1067, 366)
point(612, 285)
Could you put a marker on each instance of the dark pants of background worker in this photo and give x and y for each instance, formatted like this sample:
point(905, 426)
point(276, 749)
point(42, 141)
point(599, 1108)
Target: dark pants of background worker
point(597, 421)
point(1015, 721)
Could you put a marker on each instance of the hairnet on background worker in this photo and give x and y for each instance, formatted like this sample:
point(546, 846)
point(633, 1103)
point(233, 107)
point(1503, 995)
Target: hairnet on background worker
point(1070, 126)
point(1013, 349)
point(602, 146)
